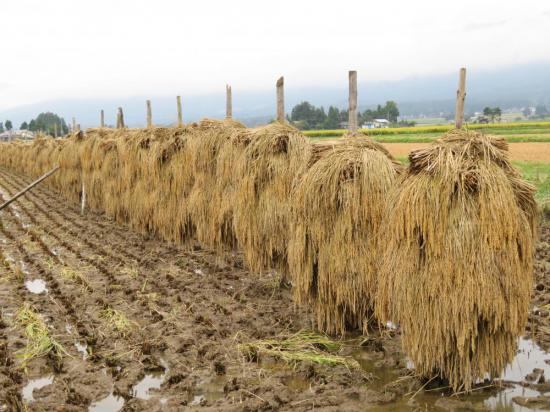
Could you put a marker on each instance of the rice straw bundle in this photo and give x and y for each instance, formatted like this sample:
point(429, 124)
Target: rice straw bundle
point(172, 162)
point(457, 256)
point(69, 179)
point(276, 155)
point(337, 208)
point(225, 191)
point(204, 200)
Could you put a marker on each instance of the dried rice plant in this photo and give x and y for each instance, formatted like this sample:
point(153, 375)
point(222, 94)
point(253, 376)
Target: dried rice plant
point(337, 209)
point(276, 155)
point(205, 199)
point(456, 258)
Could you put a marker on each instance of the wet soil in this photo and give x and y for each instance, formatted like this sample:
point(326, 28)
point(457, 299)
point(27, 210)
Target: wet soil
point(187, 311)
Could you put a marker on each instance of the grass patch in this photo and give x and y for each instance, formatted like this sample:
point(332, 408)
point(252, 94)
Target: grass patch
point(39, 340)
point(78, 277)
point(303, 346)
point(537, 173)
point(117, 320)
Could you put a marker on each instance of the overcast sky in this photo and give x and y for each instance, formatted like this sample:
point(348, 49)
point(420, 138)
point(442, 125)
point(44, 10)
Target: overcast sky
point(118, 48)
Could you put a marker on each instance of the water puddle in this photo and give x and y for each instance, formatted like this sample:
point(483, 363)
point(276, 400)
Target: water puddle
point(33, 384)
point(82, 348)
point(36, 286)
point(518, 380)
point(111, 403)
point(152, 380)
point(209, 390)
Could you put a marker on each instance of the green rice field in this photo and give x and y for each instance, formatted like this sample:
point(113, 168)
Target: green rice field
point(513, 132)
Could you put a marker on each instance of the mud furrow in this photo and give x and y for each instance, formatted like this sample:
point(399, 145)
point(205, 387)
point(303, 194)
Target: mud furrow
point(70, 312)
point(47, 197)
point(153, 281)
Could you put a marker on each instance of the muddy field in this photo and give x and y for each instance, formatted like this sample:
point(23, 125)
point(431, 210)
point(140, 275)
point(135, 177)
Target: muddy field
point(150, 326)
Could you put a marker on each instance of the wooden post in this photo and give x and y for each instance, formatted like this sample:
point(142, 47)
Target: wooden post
point(83, 199)
point(460, 97)
point(180, 116)
point(228, 102)
point(102, 119)
point(73, 129)
point(352, 121)
point(149, 115)
point(78, 127)
point(120, 118)
point(55, 130)
point(281, 99)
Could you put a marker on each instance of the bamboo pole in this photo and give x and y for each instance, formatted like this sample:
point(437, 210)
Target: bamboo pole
point(352, 121)
point(29, 187)
point(149, 115)
point(102, 119)
point(460, 98)
point(180, 116)
point(281, 99)
point(228, 102)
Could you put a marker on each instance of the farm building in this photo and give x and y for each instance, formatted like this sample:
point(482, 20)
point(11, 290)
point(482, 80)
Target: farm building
point(377, 124)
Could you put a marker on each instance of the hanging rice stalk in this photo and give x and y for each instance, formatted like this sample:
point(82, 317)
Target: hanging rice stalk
point(276, 155)
point(456, 258)
point(337, 208)
point(205, 197)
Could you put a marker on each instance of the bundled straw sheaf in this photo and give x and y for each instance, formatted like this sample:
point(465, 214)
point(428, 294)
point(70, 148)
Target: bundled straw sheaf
point(210, 186)
point(274, 157)
point(337, 208)
point(457, 257)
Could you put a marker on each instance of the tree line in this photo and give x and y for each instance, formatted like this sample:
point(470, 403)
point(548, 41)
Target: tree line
point(49, 123)
point(306, 116)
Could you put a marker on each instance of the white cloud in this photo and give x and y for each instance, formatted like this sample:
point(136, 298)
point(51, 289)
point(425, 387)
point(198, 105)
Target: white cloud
point(66, 48)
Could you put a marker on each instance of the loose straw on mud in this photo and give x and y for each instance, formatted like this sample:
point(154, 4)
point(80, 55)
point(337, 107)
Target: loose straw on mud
point(29, 187)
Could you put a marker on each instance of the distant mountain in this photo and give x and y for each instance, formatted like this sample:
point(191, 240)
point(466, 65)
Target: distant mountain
point(510, 87)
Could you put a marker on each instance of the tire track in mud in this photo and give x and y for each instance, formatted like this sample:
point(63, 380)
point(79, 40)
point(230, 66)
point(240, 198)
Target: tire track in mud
point(70, 311)
point(112, 228)
point(202, 300)
point(54, 209)
point(49, 277)
point(45, 196)
point(194, 264)
point(56, 230)
point(131, 291)
point(25, 211)
point(154, 281)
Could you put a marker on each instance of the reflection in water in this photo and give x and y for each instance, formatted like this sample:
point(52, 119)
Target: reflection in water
point(35, 384)
point(111, 403)
point(36, 286)
point(82, 348)
point(210, 390)
point(151, 380)
point(530, 356)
